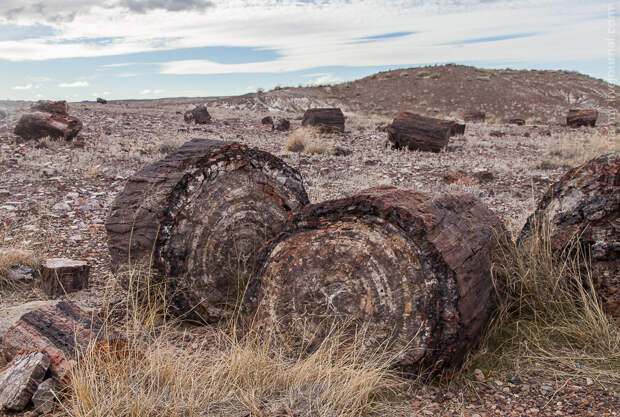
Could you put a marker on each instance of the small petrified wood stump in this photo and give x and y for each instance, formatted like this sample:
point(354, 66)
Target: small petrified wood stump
point(267, 120)
point(420, 133)
point(475, 116)
point(585, 205)
point(283, 125)
point(102, 100)
point(20, 380)
point(58, 107)
point(60, 276)
point(39, 124)
point(201, 115)
point(414, 267)
point(328, 120)
point(202, 213)
point(63, 331)
point(578, 118)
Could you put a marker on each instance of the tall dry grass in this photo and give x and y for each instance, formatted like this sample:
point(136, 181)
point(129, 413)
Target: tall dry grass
point(308, 140)
point(569, 152)
point(550, 318)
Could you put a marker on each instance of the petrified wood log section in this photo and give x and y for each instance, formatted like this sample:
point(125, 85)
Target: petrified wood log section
point(20, 379)
point(38, 124)
point(421, 133)
point(63, 331)
point(203, 212)
point(59, 107)
point(414, 267)
point(577, 118)
point(584, 204)
point(60, 276)
point(331, 119)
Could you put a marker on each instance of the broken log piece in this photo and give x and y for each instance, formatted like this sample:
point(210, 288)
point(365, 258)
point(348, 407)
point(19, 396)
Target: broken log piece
point(456, 128)
point(58, 107)
point(414, 267)
point(268, 120)
point(20, 380)
point(327, 120)
point(39, 124)
point(63, 331)
point(60, 276)
point(202, 213)
point(585, 205)
point(283, 125)
point(419, 133)
point(201, 115)
point(515, 121)
point(102, 100)
point(474, 116)
point(578, 118)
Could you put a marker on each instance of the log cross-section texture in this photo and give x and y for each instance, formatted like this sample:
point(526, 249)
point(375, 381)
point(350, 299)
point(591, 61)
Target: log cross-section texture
point(331, 119)
point(60, 276)
point(200, 215)
point(62, 331)
point(584, 206)
point(20, 379)
point(39, 124)
point(413, 267)
point(578, 118)
point(419, 133)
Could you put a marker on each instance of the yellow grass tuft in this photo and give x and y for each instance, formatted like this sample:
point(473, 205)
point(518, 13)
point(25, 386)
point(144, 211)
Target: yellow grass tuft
point(12, 256)
point(308, 140)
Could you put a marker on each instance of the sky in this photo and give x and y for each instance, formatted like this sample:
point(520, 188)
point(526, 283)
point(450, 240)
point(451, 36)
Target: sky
point(124, 49)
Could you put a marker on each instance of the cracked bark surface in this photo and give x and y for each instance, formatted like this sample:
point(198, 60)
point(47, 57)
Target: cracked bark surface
point(584, 204)
point(199, 216)
point(413, 267)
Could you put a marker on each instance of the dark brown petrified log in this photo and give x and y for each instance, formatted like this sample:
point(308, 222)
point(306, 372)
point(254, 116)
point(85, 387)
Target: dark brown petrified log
point(331, 119)
point(63, 331)
point(585, 204)
point(59, 107)
point(200, 214)
point(421, 133)
point(39, 124)
point(456, 128)
point(20, 379)
point(414, 267)
point(577, 118)
point(60, 276)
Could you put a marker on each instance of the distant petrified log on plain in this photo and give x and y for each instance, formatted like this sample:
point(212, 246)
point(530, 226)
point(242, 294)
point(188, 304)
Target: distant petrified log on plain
point(268, 120)
point(203, 212)
point(58, 107)
point(474, 116)
point(330, 120)
point(419, 133)
point(62, 331)
point(456, 128)
point(515, 121)
point(102, 100)
point(39, 124)
point(283, 125)
point(577, 118)
point(584, 207)
point(60, 276)
point(414, 267)
point(199, 115)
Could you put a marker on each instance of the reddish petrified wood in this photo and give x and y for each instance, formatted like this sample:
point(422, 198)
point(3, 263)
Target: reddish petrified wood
point(421, 133)
point(414, 267)
point(39, 124)
point(58, 107)
point(63, 331)
point(329, 119)
point(20, 378)
point(577, 118)
point(201, 213)
point(474, 116)
point(584, 204)
point(60, 276)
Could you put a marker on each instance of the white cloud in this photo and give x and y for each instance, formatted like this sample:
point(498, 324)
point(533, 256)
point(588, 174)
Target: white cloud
point(324, 78)
point(150, 92)
point(23, 87)
point(75, 84)
point(127, 75)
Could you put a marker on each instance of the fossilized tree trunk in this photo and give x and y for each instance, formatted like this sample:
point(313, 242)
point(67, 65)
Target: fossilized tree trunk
point(331, 119)
point(414, 267)
point(39, 124)
point(419, 133)
point(584, 206)
point(200, 214)
point(577, 118)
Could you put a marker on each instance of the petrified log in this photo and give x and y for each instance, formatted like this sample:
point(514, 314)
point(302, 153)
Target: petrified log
point(202, 212)
point(577, 118)
point(102, 100)
point(414, 267)
point(63, 331)
point(456, 128)
point(20, 379)
point(58, 107)
point(328, 120)
point(515, 121)
point(60, 276)
point(44, 397)
point(39, 124)
point(283, 125)
point(584, 206)
point(474, 116)
point(188, 116)
point(201, 115)
point(268, 120)
point(421, 133)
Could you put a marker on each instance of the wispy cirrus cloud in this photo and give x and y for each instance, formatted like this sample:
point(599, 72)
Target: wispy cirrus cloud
point(22, 87)
point(76, 84)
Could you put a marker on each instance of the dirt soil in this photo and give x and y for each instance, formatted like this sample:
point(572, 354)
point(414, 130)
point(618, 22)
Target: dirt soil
point(54, 198)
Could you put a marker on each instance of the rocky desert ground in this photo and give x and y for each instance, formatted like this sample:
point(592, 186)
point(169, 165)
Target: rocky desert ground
point(55, 195)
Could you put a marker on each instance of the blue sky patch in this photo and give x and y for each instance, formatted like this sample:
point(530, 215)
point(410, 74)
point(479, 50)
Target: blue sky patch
point(381, 37)
point(495, 38)
point(10, 32)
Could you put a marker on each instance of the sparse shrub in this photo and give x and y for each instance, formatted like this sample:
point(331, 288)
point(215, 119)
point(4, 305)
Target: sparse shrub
point(423, 74)
point(308, 140)
point(296, 143)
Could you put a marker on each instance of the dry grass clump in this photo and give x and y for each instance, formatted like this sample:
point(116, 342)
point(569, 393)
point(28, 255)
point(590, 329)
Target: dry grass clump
point(308, 140)
point(12, 256)
point(570, 153)
point(550, 318)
